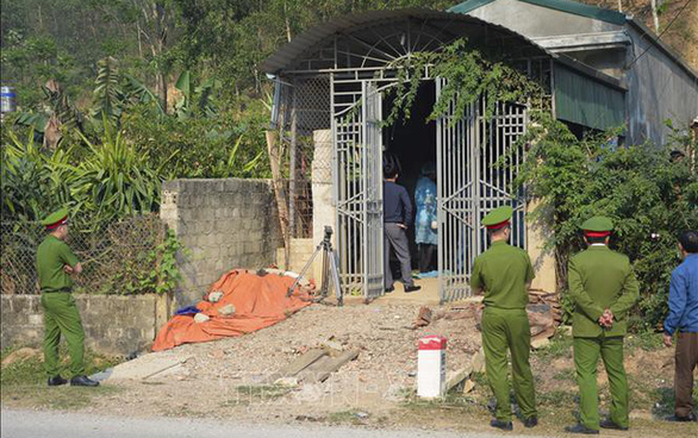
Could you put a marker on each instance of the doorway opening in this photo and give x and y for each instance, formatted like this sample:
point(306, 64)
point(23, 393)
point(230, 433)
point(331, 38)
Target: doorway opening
point(413, 142)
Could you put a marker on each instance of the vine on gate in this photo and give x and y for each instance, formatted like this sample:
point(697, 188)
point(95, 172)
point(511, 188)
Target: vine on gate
point(469, 73)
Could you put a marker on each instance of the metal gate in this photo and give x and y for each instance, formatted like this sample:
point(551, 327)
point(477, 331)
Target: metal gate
point(356, 126)
point(470, 184)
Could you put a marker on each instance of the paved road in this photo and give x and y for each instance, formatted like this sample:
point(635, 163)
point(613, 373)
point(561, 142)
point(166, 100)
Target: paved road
point(40, 424)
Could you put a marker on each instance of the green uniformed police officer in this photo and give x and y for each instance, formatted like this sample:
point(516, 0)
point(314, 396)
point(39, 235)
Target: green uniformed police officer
point(55, 264)
point(603, 288)
point(504, 273)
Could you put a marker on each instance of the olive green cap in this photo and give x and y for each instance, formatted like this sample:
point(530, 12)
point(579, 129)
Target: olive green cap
point(56, 218)
point(498, 217)
point(597, 224)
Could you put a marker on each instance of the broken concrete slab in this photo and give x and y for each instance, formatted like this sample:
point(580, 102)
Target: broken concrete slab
point(297, 365)
point(148, 366)
point(458, 377)
point(323, 368)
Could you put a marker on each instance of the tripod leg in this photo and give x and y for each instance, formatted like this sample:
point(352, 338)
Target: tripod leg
point(325, 272)
point(335, 278)
point(303, 271)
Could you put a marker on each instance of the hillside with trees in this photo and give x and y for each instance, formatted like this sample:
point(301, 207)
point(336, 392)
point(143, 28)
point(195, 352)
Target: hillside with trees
point(116, 96)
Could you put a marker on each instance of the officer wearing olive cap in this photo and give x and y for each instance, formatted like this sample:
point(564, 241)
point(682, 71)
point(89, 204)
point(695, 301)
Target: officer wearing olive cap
point(55, 264)
point(504, 273)
point(603, 287)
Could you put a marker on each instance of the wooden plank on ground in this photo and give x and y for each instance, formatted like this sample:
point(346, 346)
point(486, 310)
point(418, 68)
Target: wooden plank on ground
point(322, 369)
point(297, 365)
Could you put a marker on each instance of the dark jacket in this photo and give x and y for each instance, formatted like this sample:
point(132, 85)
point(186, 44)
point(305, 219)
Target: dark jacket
point(397, 206)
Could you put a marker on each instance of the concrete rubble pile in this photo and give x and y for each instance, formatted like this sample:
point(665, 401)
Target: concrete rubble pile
point(544, 315)
point(315, 365)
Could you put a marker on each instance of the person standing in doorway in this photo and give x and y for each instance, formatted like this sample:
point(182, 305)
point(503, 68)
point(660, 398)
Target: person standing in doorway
point(504, 274)
point(683, 320)
point(397, 217)
point(603, 288)
point(426, 225)
point(55, 264)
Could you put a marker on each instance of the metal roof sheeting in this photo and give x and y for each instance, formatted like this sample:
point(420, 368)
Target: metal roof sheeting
point(310, 39)
point(569, 6)
point(582, 100)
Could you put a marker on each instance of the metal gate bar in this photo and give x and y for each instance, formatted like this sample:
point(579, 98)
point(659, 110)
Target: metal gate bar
point(472, 182)
point(356, 125)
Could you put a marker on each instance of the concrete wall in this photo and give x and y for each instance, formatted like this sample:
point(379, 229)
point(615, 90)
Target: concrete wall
point(224, 224)
point(543, 260)
point(114, 325)
point(537, 21)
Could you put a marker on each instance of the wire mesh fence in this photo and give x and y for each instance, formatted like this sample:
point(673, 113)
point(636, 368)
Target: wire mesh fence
point(304, 107)
point(121, 257)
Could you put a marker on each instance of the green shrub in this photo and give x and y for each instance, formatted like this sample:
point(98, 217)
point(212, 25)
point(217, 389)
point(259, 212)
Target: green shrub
point(229, 145)
point(649, 197)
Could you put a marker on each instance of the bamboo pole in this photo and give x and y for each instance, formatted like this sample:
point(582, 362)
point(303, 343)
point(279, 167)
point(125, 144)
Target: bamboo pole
point(275, 164)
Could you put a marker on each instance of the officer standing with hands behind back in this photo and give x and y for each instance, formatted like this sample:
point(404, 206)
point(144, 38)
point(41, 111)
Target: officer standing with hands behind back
point(603, 288)
point(55, 264)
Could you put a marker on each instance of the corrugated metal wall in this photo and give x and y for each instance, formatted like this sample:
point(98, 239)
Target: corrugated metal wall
point(588, 102)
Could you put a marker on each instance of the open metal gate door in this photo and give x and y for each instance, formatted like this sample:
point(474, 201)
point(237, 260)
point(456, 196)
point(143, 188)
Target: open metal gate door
point(359, 184)
point(470, 185)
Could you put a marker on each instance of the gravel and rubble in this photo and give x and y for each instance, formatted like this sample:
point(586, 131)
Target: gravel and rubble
point(227, 375)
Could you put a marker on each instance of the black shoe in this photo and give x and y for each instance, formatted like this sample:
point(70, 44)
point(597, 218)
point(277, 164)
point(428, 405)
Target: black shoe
point(83, 381)
point(412, 288)
point(531, 422)
point(608, 424)
point(580, 428)
point(687, 419)
point(389, 289)
point(504, 425)
point(56, 381)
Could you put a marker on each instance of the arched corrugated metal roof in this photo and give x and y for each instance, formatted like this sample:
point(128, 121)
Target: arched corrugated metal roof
point(310, 39)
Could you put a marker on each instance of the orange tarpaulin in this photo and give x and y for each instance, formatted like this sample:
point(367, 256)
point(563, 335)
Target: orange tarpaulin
point(260, 301)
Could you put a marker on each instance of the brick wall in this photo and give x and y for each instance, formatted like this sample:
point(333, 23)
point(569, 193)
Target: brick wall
point(224, 223)
point(114, 325)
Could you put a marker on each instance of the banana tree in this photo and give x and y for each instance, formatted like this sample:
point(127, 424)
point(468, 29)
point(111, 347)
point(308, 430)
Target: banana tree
point(196, 99)
point(109, 98)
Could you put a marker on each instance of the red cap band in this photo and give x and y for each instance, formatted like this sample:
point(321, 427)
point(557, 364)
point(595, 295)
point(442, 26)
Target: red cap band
point(55, 225)
point(432, 343)
point(597, 233)
point(498, 226)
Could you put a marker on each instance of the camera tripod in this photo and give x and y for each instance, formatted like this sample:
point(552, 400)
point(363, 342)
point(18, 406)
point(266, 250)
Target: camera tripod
point(329, 269)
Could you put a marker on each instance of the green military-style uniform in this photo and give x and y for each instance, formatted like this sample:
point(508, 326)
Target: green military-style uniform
point(503, 272)
point(61, 315)
point(600, 279)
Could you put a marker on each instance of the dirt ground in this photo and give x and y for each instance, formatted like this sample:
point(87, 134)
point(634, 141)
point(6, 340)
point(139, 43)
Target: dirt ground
point(223, 379)
point(225, 376)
